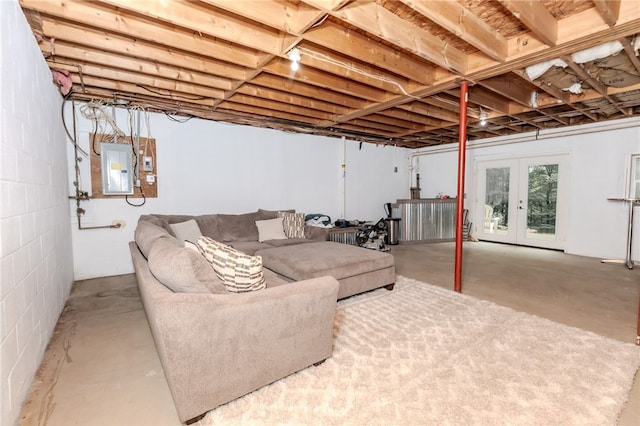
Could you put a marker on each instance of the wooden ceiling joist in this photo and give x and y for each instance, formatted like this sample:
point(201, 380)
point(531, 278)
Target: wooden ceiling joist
point(381, 71)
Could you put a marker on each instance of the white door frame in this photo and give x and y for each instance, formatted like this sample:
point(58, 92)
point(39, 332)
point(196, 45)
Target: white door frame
point(516, 232)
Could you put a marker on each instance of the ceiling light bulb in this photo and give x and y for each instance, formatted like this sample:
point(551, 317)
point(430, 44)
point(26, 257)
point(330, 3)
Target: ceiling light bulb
point(294, 55)
point(295, 65)
point(483, 118)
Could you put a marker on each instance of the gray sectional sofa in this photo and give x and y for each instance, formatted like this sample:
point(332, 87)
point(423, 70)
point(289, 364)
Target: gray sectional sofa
point(216, 346)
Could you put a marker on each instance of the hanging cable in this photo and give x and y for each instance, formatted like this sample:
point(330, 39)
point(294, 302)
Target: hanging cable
point(72, 139)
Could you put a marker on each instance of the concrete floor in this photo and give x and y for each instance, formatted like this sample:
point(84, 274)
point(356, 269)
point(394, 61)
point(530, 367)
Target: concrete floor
point(101, 367)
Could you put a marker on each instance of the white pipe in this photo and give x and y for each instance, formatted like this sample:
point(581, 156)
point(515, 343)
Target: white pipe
point(527, 137)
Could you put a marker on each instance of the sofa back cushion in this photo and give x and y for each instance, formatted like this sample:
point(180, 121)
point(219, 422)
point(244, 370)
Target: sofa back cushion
point(237, 227)
point(208, 224)
point(239, 272)
point(147, 233)
point(181, 269)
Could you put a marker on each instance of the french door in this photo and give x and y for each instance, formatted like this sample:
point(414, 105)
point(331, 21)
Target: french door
point(522, 200)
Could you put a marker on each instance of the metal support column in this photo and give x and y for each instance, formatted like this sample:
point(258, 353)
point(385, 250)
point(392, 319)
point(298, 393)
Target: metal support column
point(462, 148)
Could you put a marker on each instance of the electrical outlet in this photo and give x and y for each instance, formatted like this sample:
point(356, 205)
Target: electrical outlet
point(119, 222)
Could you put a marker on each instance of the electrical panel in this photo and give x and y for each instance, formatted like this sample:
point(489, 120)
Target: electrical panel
point(117, 169)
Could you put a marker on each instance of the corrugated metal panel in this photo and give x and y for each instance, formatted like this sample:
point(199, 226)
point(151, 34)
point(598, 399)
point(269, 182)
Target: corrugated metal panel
point(347, 236)
point(426, 220)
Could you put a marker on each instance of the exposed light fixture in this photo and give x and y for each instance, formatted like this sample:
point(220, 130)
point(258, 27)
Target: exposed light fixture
point(483, 117)
point(294, 57)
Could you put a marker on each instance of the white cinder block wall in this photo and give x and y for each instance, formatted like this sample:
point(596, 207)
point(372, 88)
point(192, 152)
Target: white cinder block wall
point(36, 261)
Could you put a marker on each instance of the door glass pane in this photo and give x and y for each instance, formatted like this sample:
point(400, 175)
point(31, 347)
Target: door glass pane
point(542, 201)
point(496, 209)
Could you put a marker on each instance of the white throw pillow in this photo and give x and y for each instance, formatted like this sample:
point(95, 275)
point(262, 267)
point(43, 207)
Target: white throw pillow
point(238, 271)
point(186, 231)
point(270, 229)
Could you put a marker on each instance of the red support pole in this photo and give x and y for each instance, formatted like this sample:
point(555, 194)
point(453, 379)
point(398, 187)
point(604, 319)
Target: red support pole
point(638, 329)
point(462, 150)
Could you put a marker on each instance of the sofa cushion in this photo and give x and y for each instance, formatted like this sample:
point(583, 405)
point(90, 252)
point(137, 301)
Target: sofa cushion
point(250, 247)
point(181, 269)
point(270, 229)
point(287, 242)
point(161, 221)
point(186, 231)
point(304, 261)
point(238, 271)
point(208, 224)
point(147, 233)
point(237, 227)
point(272, 214)
point(293, 224)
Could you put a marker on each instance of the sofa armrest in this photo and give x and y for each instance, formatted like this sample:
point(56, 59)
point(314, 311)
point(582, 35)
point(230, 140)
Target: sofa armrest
point(316, 233)
point(217, 347)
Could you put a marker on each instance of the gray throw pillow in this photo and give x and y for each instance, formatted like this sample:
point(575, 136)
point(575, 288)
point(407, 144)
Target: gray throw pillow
point(186, 231)
point(183, 270)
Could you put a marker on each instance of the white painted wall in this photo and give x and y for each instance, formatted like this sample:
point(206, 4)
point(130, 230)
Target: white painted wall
point(35, 252)
point(209, 167)
point(599, 162)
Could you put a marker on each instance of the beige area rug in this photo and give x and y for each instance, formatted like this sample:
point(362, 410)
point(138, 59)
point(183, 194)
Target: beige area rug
point(425, 355)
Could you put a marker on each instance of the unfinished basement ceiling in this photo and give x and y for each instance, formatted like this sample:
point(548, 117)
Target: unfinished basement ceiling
point(386, 72)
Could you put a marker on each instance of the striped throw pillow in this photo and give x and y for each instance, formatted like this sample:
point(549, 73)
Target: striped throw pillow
point(293, 224)
point(239, 272)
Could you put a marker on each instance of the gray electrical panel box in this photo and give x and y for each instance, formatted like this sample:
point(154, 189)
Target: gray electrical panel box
point(117, 170)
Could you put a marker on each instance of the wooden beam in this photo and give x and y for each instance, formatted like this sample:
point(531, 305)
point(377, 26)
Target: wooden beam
point(361, 48)
point(418, 107)
point(115, 87)
point(417, 115)
point(520, 93)
point(455, 18)
point(149, 83)
point(631, 54)
point(263, 114)
point(292, 99)
point(609, 9)
point(331, 62)
point(286, 17)
point(599, 87)
point(326, 5)
point(140, 28)
point(377, 20)
point(98, 58)
point(561, 95)
point(275, 105)
point(195, 16)
point(328, 81)
point(140, 49)
point(535, 17)
point(307, 90)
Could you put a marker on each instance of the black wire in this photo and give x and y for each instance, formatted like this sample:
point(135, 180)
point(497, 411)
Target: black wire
point(195, 98)
point(144, 199)
point(93, 140)
point(65, 98)
point(172, 118)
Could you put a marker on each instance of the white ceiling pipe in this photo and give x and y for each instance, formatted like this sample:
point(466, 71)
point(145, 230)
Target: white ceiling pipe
point(526, 137)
